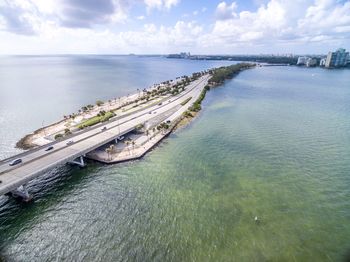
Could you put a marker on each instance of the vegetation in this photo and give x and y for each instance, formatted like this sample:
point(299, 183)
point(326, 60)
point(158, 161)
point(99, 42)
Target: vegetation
point(163, 126)
point(96, 119)
point(99, 103)
point(186, 101)
point(67, 131)
point(219, 75)
point(58, 136)
point(139, 126)
point(196, 107)
point(187, 114)
point(110, 150)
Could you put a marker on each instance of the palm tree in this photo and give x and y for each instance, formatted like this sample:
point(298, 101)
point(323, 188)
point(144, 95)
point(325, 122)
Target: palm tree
point(127, 145)
point(112, 148)
point(133, 145)
point(108, 151)
point(147, 134)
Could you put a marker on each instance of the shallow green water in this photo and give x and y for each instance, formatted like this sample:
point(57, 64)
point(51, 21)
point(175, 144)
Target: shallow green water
point(272, 143)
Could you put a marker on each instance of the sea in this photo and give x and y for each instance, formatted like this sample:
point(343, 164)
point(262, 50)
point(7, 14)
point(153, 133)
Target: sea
point(261, 174)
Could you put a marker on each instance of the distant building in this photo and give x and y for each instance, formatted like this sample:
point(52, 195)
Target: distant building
point(310, 62)
point(323, 62)
point(338, 58)
point(185, 55)
point(302, 60)
point(181, 55)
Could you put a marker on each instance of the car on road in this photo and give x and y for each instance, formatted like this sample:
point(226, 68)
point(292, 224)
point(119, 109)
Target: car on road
point(160, 103)
point(70, 142)
point(104, 128)
point(150, 112)
point(120, 138)
point(15, 162)
point(154, 112)
point(49, 148)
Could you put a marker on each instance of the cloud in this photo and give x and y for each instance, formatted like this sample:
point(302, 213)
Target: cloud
point(78, 26)
point(225, 11)
point(283, 21)
point(325, 16)
point(161, 39)
point(15, 19)
point(87, 13)
point(160, 4)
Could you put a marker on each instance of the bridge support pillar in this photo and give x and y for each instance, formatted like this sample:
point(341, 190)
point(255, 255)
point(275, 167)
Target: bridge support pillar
point(22, 193)
point(78, 161)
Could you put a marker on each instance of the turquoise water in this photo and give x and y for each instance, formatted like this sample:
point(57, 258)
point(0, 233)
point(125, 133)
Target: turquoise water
point(272, 143)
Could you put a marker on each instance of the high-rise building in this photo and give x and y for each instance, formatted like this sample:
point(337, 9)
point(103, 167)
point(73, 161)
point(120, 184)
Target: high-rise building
point(338, 58)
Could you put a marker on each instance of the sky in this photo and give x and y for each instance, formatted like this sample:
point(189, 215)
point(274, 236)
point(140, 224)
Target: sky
point(35, 27)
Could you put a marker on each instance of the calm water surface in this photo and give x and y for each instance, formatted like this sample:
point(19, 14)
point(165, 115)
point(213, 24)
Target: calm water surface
point(273, 143)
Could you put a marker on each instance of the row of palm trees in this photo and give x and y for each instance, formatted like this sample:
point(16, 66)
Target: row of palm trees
point(112, 148)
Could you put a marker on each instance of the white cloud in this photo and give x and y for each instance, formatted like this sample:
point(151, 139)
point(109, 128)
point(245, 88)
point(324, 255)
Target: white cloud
point(283, 21)
point(225, 11)
point(71, 28)
point(160, 4)
point(326, 15)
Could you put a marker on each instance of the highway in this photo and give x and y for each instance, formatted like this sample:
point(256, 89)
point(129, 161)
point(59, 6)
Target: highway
point(38, 161)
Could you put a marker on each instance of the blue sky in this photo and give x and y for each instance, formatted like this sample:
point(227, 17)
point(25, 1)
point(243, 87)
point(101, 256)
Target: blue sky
point(169, 26)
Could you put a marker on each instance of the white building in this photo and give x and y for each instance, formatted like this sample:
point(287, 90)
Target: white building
point(302, 60)
point(338, 58)
point(323, 62)
point(310, 62)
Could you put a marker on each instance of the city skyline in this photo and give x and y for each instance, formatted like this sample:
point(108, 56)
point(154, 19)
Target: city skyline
point(172, 26)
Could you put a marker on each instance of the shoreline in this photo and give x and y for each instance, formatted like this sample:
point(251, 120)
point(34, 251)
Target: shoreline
point(130, 104)
point(125, 105)
point(113, 153)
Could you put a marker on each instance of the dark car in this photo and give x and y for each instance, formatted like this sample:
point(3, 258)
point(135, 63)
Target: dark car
point(104, 128)
point(16, 162)
point(49, 148)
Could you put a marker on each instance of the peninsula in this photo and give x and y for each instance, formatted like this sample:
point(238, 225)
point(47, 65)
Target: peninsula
point(116, 108)
point(117, 130)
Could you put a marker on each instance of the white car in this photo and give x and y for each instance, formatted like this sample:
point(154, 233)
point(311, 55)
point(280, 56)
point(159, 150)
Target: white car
point(15, 162)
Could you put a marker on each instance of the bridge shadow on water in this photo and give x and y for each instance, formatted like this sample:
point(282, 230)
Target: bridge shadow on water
point(46, 190)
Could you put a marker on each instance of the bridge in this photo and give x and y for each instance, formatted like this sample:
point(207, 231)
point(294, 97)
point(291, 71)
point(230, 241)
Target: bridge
point(38, 161)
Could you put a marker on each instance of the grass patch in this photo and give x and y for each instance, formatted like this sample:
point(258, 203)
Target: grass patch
point(186, 101)
point(95, 120)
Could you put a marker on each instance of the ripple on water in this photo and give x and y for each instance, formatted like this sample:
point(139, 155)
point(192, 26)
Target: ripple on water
point(267, 144)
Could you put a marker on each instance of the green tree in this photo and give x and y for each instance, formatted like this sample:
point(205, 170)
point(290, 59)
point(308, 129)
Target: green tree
point(99, 103)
